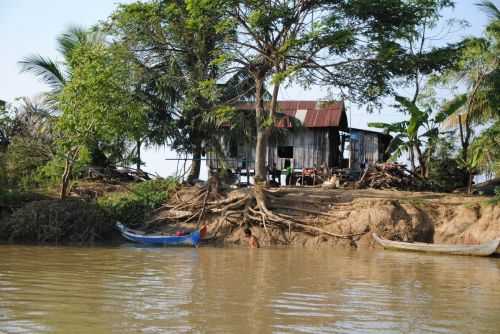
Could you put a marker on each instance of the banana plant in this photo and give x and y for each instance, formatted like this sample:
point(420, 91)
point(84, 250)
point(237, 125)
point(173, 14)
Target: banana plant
point(408, 135)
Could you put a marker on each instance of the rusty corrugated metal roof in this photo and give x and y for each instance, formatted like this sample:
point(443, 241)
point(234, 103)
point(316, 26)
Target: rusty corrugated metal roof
point(311, 114)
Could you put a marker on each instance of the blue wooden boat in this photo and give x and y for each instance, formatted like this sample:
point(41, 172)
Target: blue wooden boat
point(192, 239)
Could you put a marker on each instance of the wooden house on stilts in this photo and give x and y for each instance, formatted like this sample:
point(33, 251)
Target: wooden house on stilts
point(311, 134)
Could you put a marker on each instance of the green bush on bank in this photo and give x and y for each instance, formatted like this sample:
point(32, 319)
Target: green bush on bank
point(134, 207)
point(10, 198)
point(74, 220)
point(28, 165)
point(56, 221)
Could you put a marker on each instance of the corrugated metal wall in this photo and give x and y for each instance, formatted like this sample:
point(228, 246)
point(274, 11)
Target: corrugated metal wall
point(364, 147)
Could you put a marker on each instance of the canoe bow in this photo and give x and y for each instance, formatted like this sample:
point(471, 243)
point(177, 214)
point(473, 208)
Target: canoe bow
point(484, 249)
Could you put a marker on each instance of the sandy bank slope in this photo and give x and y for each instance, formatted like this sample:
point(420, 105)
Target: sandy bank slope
point(405, 216)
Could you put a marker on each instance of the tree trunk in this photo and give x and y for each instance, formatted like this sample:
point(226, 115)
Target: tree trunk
point(465, 156)
point(412, 158)
point(262, 132)
point(470, 179)
point(465, 135)
point(65, 179)
point(421, 161)
point(138, 163)
point(194, 173)
point(428, 162)
point(68, 168)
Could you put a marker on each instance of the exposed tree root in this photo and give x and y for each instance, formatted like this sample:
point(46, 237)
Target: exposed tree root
point(271, 209)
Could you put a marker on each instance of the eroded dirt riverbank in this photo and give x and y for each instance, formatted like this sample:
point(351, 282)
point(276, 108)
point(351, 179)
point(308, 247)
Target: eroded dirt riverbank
point(332, 218)
point(395, 215)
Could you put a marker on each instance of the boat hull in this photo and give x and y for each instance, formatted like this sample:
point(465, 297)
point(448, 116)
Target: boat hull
point(484, 249)
point(192, 239)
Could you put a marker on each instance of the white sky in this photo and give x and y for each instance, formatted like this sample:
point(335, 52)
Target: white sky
point(31, 26)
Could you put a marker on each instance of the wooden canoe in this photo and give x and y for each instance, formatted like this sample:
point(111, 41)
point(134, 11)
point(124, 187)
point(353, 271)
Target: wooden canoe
point(192, 239)
point(484, 249)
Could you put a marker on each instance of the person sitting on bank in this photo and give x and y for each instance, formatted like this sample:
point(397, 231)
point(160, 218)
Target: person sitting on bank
point(252, 240)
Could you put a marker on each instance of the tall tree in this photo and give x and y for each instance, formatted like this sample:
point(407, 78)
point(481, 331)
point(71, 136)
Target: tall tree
point(56, 74)
point(414, 61)
point(477, 75)
point(177, 44)
point(99, 102)
point(346, 45)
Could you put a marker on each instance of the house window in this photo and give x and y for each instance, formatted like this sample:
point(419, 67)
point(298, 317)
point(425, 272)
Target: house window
point(285, 152)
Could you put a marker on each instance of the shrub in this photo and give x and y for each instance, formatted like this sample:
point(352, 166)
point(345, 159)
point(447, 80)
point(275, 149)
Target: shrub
point(10, 198)
point(69, 221)
point(134, 207)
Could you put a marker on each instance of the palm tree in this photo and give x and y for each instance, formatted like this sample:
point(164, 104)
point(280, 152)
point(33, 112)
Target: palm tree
point(57, 75)
point(485, 150)
point(479, 70)
point(54, 73)
point(490, 9)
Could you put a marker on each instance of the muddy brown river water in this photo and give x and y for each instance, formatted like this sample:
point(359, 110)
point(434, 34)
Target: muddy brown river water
point(208, 290)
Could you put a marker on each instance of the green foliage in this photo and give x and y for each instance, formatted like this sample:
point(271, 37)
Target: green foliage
point(418, 118)
point(445, 172)
point(476, 108)
point(155, 192)
point(15, 198)
point(134, 207)
point(52, 72)
point(418, 135)
point(485, 150)
point(54, 221)
point(21, 163)
point(185, 39)
point(49, 174)
point(98, 102)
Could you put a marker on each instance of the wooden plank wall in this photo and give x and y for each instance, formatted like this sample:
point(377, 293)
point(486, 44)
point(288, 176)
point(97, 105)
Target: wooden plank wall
point(311, 148)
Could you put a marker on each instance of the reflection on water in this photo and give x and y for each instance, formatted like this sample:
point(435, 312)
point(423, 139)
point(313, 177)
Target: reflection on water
point(155, 290)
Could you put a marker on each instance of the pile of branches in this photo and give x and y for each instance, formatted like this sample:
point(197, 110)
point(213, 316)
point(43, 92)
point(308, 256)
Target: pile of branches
point(390, 175)
point(286, 209)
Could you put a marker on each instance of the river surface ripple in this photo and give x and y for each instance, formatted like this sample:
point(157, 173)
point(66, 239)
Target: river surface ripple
point(208, 290)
